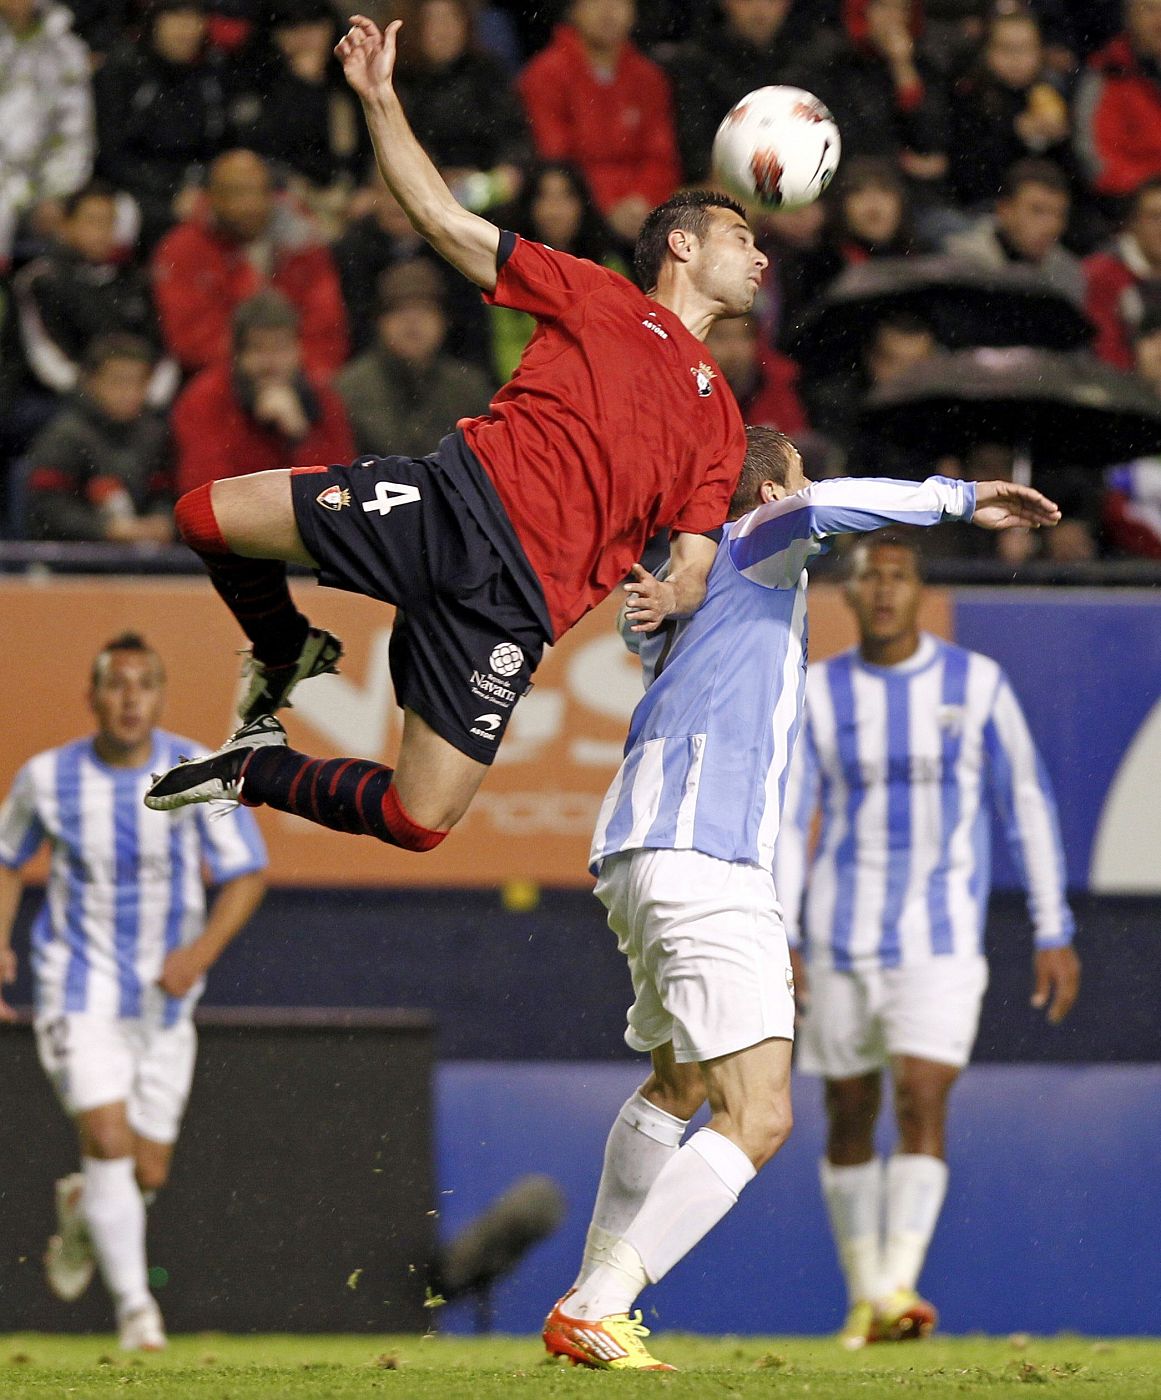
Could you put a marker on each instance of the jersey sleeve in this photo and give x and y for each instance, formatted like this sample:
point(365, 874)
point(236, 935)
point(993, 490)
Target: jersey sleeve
point(543, 282)
point(710, 503)
point(771, 545)
point(791, 856)
point(231, 845)
point(21, 830)
point(1023, 798)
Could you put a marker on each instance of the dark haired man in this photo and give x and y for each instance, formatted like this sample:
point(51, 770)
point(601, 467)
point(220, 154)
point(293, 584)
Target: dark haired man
point(617, 423)
point(683, 852)
point(903, 739)
point(119, 951)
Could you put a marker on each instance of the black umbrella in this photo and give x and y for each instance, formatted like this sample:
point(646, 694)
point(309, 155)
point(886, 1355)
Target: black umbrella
point(965, 303)
point(1059, 410)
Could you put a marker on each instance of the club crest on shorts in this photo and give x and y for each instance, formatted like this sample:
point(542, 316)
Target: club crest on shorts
point(506, 659)
point(704, 375)
point(334, 498)
point(790, 980)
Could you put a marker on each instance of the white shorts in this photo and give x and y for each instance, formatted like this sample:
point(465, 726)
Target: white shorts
point(95, 1060)
point(706, 948)
point(856, 1021)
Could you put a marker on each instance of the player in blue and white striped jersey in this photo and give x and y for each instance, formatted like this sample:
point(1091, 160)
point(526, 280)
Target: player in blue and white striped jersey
point(683, 852)
point(906, 741)
point(119, 950)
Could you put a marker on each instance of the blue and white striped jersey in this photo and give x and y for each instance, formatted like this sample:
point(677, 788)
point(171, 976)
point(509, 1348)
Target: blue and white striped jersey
point(125, 884)
point(708, 748)
point(900, 759)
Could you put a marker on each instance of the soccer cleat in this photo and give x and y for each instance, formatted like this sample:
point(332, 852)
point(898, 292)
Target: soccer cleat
point(859, 1328)
point(68, 1260)
point(142, 1330)
point(903, 1316)
point(218, 776)
point(611, 1343)
point(270, 686)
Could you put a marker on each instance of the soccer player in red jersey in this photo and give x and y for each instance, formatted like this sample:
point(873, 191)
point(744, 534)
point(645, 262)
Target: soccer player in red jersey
point(617, 423)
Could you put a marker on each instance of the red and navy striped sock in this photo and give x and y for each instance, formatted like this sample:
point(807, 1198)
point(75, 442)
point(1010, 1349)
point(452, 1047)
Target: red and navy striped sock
point(345, 794)
point(255, 590)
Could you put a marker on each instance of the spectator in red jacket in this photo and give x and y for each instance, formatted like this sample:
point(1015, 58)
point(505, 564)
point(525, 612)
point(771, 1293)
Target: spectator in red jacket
point(1123, 281)
point(258, 410)
point(763, 381)
point(246, 239)
point(1118, 105)
point(594, 99)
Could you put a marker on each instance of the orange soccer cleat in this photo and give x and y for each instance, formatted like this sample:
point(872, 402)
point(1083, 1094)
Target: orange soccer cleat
point(613, 1343)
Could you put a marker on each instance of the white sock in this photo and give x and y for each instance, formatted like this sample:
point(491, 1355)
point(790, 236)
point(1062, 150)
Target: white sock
point(642, 1139)
point(692, 1192)
point(916, 1186)
point(854, 1202)
point(115, 1215)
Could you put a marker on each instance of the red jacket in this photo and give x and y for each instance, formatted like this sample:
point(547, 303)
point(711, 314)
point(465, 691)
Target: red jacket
point(200, 277)
point(1113, 281)
point(216, 437)
point(620, 133)
point(1118, 119)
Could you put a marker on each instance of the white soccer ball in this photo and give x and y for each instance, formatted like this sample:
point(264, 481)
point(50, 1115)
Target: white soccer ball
point(778, 147)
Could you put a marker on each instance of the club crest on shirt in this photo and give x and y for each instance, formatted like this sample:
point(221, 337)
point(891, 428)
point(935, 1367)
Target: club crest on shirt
point(704, 375)
point(334, 498)
point(950, 718)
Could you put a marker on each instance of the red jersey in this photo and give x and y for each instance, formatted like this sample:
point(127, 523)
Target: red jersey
point(617, 423)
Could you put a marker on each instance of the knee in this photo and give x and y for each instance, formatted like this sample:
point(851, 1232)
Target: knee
point(679, 1091)
point(404, 831)
point(106, 1142)
point(196, 522)
point(919, 1106)
point(152, 1176)
point(764, 1129)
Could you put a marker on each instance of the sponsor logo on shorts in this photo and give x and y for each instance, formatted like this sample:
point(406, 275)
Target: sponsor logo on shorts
point(485, 726)
point(790, 980)
point(334, 498)
point(488, 687)
point(506, 659)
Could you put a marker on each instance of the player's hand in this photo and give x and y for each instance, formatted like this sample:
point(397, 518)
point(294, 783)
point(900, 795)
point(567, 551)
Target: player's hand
point(1057, 972)
point(181, 971)
point(1000, 505)
point(7, 974)
point(367, 54)
point(648, 600)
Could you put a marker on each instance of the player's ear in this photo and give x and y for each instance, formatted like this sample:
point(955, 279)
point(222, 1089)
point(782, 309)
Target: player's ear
point(681, 243)
point(771, 491)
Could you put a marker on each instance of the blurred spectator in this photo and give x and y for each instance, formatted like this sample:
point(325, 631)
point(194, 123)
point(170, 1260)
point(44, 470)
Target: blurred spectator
point(461, 105)
point(1124, 279)
point(245, 239)
point(885, 96)
point(1005, 110)
point(291, 104)
point(554, 207)
point(1118, 105)
point(1031, 215)
point(404, 393)
point(379, 236)
point(1132, 503)
point(594, 99)
point(161, 113)
point(746, 50)
point(82, 288)
point(100, 470)
point(259, 410)
point(763, 381)
point(786, 236)
point(46, 117)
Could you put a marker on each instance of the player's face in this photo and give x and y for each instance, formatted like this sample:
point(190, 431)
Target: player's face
point(884, 592)
point(729, 264)
point(127, 700)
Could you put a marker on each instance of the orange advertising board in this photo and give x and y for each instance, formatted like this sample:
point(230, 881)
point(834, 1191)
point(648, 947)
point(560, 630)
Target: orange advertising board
point(531, 820)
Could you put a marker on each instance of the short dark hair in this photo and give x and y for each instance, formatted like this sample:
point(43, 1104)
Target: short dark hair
point(264, 311)
point(1033, 171)
point(126, 641)
point(689, 210)
point(116, 345)
point(893, 537)
point(770, 455)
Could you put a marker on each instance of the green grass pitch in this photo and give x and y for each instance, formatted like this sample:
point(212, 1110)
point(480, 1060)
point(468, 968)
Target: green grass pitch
point(217, 1367)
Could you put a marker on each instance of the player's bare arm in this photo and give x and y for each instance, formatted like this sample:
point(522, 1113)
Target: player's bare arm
point(468, 242)
point(1057, 974)
point(11, 884)
point(649, 601)
point(237, 901)
point(1003, 505)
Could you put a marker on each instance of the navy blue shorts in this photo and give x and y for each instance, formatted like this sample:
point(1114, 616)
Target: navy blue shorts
point(465, 641)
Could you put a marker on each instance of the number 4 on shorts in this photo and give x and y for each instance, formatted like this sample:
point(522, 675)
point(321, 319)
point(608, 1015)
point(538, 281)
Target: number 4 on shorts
point(389, 494)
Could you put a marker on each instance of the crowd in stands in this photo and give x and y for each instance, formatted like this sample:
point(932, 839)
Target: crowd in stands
point(202, 274)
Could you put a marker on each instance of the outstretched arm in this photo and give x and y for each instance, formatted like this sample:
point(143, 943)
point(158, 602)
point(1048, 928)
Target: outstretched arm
point(468, 242)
